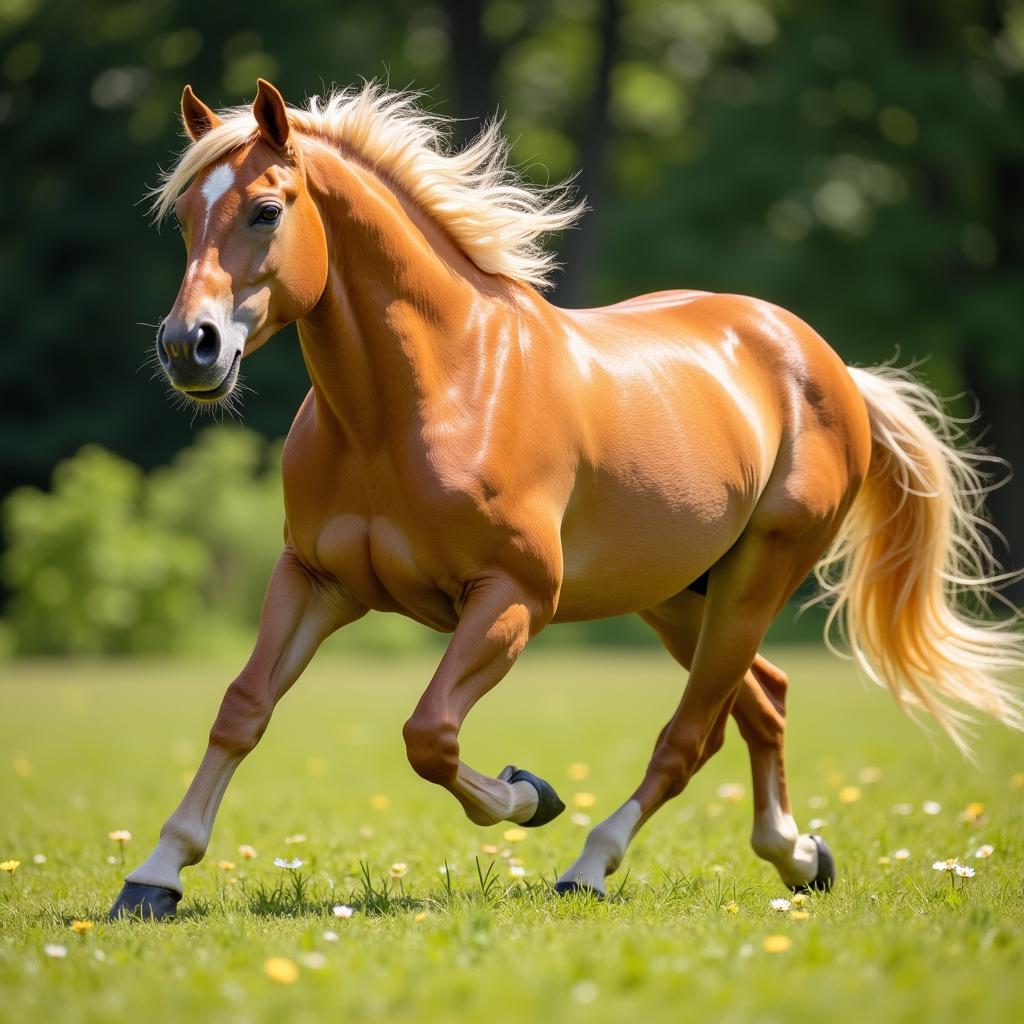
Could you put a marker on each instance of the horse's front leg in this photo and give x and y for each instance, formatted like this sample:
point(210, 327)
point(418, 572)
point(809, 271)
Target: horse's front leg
point(299, 612)
point(498, 618)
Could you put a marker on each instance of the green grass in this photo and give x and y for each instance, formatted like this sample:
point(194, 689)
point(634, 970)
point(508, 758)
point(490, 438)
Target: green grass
point(91, 747)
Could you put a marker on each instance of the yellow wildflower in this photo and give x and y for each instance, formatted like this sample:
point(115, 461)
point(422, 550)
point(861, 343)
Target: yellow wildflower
point(380, 802)
point(80, 927)
point(10, 866)
point(226, 865)
point(973, 813)
point(514, 835)
point(247, 851)
point(584, 800)
point(282, 970)
point(121, 835)
point(578, 771)
point(849, 794)
point(777, 943)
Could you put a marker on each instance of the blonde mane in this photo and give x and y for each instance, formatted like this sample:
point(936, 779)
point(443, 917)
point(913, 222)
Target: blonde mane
point(489, 212)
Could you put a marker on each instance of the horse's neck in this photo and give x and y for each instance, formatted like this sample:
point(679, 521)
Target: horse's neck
point(394, 326)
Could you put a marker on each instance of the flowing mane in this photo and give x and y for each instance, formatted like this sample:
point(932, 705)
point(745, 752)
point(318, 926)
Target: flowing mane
point(490, 213)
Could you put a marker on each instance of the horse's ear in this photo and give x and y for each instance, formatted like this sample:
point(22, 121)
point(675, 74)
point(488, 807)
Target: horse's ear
point(196, 115)
point(269, 110)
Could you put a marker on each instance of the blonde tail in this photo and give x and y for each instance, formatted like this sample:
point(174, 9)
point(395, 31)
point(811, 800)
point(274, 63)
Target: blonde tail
point(910, 574)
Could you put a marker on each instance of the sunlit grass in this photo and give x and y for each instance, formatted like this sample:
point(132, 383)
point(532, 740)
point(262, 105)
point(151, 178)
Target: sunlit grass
point(440, 919)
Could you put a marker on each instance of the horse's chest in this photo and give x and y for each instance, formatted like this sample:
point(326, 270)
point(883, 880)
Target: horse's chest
point(377, 561)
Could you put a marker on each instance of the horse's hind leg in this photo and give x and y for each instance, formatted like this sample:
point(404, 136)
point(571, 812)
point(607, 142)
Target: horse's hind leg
point(746, 589)
point(803, 861)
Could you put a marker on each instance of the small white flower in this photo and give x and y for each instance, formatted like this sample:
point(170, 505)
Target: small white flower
point(517, 871)
point(732, 792)
point(818, 802)
point(964, 871)
point(817, 823)
point(292, 840)
point(39, 858)
point(932, 807)
point(579, 818)
point(342, 910)
point(57, 951)
point(902, 854)
point(314, 961)
point(780, 905)
point(903, 810)
point(585, 992)
point(945, 865)
point(288, 865)
point(330, 936)
point(983, 851)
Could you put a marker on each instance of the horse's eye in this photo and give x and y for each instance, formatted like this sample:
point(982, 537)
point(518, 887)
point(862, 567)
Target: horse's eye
point(269, 213)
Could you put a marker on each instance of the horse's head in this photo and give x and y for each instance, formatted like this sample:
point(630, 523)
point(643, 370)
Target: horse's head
point(257, 252)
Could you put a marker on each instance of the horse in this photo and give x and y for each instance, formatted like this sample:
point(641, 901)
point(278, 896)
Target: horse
point(488, 464)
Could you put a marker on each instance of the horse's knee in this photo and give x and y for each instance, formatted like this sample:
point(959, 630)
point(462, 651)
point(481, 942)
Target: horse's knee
point(432, 747)
point(242, 719)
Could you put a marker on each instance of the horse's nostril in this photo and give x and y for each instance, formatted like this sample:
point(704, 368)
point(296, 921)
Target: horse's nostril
point(207, 345)
point(161, 352)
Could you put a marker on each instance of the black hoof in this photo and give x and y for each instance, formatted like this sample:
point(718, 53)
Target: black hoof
point(549, 806)
point(151, 902)
point(565, 888)
point(826, 876)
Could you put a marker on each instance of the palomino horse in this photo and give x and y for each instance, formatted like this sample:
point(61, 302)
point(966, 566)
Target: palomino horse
point(486, 463)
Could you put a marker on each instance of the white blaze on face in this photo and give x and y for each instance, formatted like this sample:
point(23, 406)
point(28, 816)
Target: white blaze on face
point(221, 178)
point(217, 183)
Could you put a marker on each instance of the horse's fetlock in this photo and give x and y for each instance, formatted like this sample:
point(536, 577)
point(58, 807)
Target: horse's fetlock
point(190, 845)
point(773, 843)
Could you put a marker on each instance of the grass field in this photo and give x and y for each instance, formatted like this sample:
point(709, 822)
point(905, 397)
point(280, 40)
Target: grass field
point(93, 747)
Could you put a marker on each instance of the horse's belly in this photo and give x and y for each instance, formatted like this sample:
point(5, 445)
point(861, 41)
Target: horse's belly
point(631, 551)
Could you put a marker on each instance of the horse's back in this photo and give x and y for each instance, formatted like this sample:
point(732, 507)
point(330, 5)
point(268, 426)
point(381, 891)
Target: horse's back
point(706, 408)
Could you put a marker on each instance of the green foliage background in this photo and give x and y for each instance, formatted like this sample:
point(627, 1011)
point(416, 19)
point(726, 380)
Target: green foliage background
point(858, 163)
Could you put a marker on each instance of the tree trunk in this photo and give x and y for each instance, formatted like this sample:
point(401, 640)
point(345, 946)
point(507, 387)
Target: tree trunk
point(473, 60)
point(580, 247)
